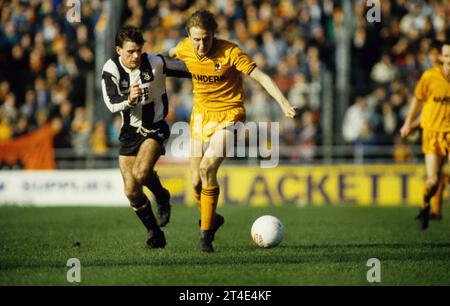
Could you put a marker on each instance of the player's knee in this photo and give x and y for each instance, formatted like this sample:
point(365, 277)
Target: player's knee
point(141, 174)
point(207, 170)
point(432, 182)
point(132, 193)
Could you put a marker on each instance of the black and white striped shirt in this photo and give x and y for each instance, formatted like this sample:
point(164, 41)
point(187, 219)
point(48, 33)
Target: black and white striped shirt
point(151, 77)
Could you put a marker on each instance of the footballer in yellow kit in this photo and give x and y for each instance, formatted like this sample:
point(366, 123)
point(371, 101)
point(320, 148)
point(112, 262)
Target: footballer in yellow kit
point(434, 89)
point(432, 92)
point(217, 83)
point(216, 67)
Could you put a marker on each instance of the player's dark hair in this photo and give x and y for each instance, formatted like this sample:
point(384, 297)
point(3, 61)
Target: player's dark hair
point(129, 33)
point(203, 19)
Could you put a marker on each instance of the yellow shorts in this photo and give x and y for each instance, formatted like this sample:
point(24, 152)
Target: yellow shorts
point(436, 143)
point(205, 123)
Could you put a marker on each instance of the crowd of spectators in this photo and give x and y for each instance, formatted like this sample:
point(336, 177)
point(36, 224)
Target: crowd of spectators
point(388, 58)
point(44, 60)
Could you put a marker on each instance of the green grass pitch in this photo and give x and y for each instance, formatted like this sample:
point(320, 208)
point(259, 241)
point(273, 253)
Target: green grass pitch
point(322, 246)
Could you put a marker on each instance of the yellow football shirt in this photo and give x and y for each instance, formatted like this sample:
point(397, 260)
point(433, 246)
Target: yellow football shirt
point(434, 90)
point(216, 77)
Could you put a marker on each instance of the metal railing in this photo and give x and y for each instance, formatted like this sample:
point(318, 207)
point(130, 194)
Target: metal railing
point(69, 159)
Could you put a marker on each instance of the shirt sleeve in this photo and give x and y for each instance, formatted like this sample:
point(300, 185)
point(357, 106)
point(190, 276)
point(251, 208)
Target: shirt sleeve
point(110, 90)
point(175, 67)
point(181, 49)
point(241, 61)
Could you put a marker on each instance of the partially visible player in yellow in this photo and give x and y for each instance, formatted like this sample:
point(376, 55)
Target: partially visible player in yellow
point(216, 67)
point(436, 200)
point(432, 93)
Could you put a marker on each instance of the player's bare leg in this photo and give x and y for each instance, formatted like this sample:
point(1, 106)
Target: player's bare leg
point(436, 200)
point(209, 165)
point(140, 203)
point(433, 164)
point(209, 198)
point(131, 186)
point(148, 155)
point(194, 163)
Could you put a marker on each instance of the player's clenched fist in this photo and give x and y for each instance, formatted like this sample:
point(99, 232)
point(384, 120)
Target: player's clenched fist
point(135, 94)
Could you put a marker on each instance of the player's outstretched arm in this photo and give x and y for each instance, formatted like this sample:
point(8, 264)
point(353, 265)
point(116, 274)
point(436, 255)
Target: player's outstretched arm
point(174, 67)
point(408, 127)
point(415, 124)
point(274, 91)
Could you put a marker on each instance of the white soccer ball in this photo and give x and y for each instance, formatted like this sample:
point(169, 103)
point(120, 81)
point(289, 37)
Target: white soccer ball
point(267, 231)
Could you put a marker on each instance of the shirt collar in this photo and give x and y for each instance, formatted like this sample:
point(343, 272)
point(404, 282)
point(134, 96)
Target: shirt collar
point(127, 70)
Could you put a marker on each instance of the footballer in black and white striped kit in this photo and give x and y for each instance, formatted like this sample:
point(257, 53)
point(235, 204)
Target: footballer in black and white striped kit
point(146, 117)
point(133, 83)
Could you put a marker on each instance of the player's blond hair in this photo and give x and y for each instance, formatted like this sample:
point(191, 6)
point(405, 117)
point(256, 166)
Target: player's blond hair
point(203, 19)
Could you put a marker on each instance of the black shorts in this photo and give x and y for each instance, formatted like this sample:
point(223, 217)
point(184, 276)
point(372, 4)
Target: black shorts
point(131, 138)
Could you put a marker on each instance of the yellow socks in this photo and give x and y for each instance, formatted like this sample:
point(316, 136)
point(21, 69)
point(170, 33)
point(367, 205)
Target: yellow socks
point(209, 198)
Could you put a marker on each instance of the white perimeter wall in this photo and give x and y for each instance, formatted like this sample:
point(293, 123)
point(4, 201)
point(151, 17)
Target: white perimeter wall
point(52, 188)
